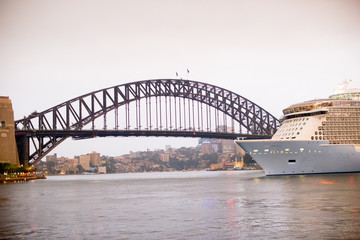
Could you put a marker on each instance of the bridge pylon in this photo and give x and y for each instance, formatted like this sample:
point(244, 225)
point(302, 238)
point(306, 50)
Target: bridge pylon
point(8, 151)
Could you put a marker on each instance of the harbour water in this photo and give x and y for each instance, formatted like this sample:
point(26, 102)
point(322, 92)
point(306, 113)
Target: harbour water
point(182, 205)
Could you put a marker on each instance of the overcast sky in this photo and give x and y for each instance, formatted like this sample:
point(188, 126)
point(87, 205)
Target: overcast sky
point(273, 52)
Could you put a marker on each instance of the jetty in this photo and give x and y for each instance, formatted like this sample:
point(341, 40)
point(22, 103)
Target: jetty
point(21, 177)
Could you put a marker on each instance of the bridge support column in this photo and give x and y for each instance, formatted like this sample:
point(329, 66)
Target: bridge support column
point(23, 150)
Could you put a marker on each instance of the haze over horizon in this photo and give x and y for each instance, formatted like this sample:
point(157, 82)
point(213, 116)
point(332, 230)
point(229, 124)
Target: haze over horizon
point(274, 53)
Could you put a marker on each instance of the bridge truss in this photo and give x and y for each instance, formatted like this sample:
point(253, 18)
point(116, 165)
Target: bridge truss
point(161, 107)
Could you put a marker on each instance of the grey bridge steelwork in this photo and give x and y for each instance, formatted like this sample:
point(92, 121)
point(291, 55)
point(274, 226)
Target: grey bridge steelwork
point(172, 108)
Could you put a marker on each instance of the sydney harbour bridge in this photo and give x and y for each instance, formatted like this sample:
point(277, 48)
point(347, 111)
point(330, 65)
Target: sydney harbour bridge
point(160, 107)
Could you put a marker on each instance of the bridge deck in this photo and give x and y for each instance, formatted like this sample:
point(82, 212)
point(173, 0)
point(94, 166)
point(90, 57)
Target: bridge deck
point(84, 134)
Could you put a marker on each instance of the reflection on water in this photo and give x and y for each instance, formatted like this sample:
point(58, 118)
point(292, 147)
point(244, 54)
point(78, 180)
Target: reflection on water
point(183, 205)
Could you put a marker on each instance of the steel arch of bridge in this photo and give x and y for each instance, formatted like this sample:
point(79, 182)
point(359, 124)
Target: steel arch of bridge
point(45, 130)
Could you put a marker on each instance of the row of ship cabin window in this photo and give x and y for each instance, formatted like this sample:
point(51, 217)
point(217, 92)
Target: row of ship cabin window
point(287, 150)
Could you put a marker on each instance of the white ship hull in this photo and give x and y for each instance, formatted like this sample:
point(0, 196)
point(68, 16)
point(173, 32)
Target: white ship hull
point(282, 157)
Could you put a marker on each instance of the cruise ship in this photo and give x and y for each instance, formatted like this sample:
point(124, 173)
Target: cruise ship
point(317, 136)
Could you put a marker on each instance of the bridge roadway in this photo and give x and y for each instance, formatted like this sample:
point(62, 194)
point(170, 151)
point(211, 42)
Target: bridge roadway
point(85, 134)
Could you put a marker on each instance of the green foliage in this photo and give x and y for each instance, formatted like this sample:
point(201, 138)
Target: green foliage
point(80, 168)
point(50, 165)
point(212, 157)
point(193, 163)
point(176, 164)
point(11, 168)
point(248, 159)
point(110, 165)
point(4, 167)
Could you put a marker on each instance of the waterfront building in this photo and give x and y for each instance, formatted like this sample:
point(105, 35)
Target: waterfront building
point(84, 161)
point(224, 128)
point(227, 146)
point(95, 158)
point(102, 170)
point(51, 158)
point(206, 148)
point(165, 157)
point(134, 154)
point(71, 165)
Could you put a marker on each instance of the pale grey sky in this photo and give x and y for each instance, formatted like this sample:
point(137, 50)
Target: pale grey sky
point(273, 52)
